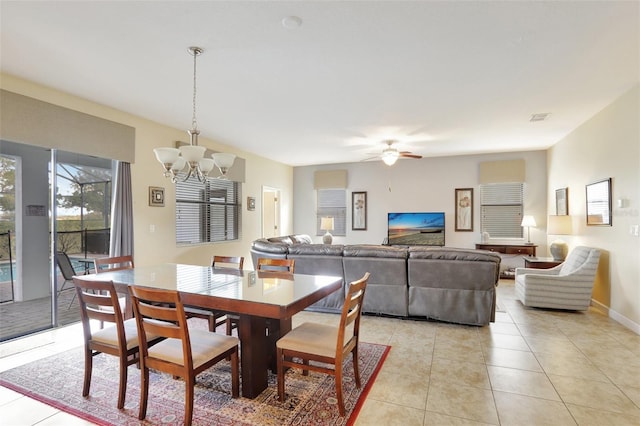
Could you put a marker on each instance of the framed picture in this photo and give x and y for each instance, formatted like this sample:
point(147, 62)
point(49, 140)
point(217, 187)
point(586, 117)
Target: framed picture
point(156, 196)
point(359, 211)
point(464, 209)
point(599, 203)
point(562, 201)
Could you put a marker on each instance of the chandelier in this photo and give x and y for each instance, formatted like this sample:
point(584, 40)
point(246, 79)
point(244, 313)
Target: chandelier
point(191, 157)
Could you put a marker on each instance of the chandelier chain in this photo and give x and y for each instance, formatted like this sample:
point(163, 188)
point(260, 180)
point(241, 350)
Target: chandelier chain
point(194, 122)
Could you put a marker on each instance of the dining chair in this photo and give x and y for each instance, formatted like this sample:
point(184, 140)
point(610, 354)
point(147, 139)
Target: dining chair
point(67, 270)
point(213, 317)
point(325, 344)
point(99, 301)
point(176, 355)
point(265, 265)
point(110, 264)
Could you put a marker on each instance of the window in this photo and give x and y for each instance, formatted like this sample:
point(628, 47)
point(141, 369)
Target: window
point(333, 203)
point(501, 209)
point(208, 212)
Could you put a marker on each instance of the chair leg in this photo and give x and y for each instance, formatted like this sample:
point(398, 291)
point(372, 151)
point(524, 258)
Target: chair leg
point(212, 322)
point(88, 367)
point(144, 392)
point(280, 361)
point(339, 388)
point(229, 326)
point(122, 390)
point(356, 369)
point(235, 374)
point(188, 400)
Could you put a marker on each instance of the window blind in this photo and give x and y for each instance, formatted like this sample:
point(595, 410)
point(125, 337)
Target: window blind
point(332, 203)
point(501, 209)
point(208, 212)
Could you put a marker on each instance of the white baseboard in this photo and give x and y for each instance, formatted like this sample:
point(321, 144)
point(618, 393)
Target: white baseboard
point(635, 327)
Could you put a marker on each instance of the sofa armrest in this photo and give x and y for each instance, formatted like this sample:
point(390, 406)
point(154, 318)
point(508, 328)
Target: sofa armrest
point(546, 272)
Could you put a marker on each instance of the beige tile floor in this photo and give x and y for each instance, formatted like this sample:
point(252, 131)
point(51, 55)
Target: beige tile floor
point(530, 367)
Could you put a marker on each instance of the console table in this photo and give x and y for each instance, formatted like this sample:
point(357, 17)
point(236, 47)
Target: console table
point(526, 249)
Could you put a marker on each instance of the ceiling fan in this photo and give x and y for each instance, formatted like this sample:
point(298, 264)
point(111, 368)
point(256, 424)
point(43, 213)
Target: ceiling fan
point(391, 154)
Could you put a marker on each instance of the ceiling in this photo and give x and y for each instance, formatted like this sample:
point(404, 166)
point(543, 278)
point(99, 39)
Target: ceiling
point(443, 78)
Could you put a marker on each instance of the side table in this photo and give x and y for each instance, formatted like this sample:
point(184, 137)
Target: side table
point(540, 262)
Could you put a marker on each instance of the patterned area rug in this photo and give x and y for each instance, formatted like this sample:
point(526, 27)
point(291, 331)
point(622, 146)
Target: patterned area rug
point(310, 400)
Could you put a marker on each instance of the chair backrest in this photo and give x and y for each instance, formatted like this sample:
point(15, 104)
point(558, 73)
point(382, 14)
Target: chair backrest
point(580, 257)
point(161, 313)
point(98, 300)
point(65, 265)
point(266, 264)
point(227, 262)
point(349, 329)
point(108, 264)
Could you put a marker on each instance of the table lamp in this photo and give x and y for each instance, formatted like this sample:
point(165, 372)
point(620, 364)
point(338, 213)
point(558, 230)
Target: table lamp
point(528, 221)
point(559, 225)
point(326, 224)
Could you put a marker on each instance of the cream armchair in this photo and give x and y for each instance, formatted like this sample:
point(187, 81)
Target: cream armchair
point(567, 286)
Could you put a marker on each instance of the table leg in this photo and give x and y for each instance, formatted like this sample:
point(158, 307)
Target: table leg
point(254, 355)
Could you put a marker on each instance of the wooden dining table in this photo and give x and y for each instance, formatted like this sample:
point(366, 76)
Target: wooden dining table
point(265, 304)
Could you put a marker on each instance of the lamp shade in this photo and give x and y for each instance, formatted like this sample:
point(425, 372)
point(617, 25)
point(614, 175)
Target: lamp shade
point(206, 165)
point(528, 221)
point(326, 224)
point(559, 225)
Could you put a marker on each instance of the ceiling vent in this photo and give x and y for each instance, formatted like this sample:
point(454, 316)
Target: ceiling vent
point(539, 117)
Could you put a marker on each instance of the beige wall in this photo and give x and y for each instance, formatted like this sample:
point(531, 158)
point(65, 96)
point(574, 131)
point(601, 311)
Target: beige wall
point(606, 146)
point(160, 246)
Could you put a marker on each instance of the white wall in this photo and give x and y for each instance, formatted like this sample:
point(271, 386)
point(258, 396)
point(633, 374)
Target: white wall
point(606, 146)
point(427, 184)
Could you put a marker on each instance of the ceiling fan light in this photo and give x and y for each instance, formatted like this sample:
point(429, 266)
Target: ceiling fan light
point(390, 157)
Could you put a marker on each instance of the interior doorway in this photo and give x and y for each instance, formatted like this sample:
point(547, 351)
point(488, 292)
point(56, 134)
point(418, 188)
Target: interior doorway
point(270, 212)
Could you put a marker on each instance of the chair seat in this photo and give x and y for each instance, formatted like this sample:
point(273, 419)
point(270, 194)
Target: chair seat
point(204, 347)
point(311, 338)
point(109, 335)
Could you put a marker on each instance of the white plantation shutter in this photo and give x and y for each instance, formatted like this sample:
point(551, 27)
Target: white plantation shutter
point(332, 203)
point(501, 209)
point(207, 212)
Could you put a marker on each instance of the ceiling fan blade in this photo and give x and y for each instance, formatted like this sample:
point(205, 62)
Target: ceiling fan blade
point(407, 154)
point(376, 157)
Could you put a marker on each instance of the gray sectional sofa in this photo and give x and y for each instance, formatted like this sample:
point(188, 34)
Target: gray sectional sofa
point(446, 284)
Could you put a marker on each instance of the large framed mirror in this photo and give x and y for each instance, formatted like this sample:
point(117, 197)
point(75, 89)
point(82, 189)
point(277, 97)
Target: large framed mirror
point(599, 203)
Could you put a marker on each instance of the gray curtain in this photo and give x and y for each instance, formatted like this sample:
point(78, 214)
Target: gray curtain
point(121, 242)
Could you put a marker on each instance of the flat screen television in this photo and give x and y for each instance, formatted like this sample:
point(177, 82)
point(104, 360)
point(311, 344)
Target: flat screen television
point(416, 229)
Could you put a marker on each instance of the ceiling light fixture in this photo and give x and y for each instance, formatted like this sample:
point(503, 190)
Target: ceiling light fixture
point(174, 160)
point(390, 156)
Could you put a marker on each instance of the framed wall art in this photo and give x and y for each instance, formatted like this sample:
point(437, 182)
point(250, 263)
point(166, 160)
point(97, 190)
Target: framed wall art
point(359, 211)
point(464, 209)
point(156, 196)
point(562, 202)
point(599, 203)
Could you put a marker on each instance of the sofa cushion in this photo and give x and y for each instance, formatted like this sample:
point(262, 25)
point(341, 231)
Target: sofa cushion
point(452, 254)
point(285, 239)
point(301, 239)
point(316, 249)
point(265, 246)
point(366, 250)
